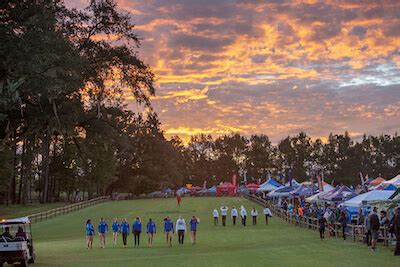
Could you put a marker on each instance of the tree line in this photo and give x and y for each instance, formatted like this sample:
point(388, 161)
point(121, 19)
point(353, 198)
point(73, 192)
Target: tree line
point(65, 125)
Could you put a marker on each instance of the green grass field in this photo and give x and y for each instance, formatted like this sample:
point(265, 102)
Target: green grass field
point(14, 211)
point(61, 240)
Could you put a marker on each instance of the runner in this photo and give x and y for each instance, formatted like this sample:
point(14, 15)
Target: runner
point(89, 234)
point(193, 228)
point(181, 229)
point(151, 230)
point(137, 229)
point(125, 231)
point(215, 216)
point(224, 212)
point(254, 214)
point(103, 229)
point(267, 213)
point(178, 199)
point(168, 230)
point(234, 214)
point(115, 228)
point(243, 214)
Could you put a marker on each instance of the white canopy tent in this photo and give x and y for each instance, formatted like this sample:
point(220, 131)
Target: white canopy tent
point(363, 199)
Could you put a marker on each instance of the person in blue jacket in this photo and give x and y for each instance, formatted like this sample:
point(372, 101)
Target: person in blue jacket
point(125, 231)
point(115, 228)
point(151, 230)
point(89, 234)
point(103, 229)
point(136, 230)
point(193, 228)
point(168, 229)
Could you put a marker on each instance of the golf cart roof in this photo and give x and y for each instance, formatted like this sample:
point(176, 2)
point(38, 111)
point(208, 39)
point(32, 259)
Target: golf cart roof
point(22, 220)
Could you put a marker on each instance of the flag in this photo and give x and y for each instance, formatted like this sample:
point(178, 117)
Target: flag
point(205, 184)
point(366, 178)
point(320, 185)
point(362, 179)
point(245, 177)
point(234, 179)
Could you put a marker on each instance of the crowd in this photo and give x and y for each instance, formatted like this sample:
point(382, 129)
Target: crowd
point(243, 215)
point(329, 215)
point(124, 228)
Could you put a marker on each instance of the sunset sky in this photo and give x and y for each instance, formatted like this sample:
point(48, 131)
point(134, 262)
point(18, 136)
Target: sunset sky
point(273, 67)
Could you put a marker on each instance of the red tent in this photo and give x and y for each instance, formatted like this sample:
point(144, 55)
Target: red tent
point(226, 189)
point(252, 187)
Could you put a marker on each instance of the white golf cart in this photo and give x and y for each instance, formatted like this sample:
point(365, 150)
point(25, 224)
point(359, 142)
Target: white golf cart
point(16, 243)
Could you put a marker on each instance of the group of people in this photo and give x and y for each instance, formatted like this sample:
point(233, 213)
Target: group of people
point(124, 228)
point(243, 215)
point(329, 215)
point(19, 234)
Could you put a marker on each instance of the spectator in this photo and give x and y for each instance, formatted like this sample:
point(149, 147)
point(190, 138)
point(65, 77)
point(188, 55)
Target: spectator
point(374, 225)
point(267, 213)
point(322, 224)
point(343, 223)
point(20, 233)
point(243, 215)
point(367, 226)
point(137, 229)
point(396, 229)
point(224, 212)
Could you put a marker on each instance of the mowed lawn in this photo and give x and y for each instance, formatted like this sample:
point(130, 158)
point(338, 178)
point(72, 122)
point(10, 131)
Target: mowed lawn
point(61, 240)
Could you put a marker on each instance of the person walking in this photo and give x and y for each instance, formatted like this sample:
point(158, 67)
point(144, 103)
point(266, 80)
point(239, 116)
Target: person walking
point(243, 215)
point(396, 229)
point(193, 228)
point(115, 228)
point(168, 230)
point(343, 223)
point(151, 230)
point(178, 199)
point(374, 225)
point(234, 214)
point(89, 234)
point(136, 230)
point(103, 229)
point(125, 231)
point(322, 224)
point(367, 226)
point(181, 229)
point(254, 214)
point(215, 216)
point(267, 213)
point(224, 212)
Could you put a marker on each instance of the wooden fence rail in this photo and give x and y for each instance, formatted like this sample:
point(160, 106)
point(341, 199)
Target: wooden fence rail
point(37, 217)
point(356, 232)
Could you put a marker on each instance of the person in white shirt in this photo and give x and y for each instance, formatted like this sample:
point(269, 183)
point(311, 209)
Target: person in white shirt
point(243, 214)
point(267, 214)
point(224, 212)
point(254, 214)
point(181, 229)
point(234, 214)
point(215, 216)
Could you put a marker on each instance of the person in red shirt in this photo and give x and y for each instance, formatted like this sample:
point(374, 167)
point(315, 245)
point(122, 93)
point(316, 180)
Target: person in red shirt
point(179, 199)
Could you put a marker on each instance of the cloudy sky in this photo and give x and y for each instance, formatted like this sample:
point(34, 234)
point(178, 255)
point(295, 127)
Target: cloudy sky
point(273, 67)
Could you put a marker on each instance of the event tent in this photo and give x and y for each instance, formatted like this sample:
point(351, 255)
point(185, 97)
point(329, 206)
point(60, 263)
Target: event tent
point(377, 181)
point(294, 183)
point(339, 195)
point(283, 191)
point(269, 185)
point(394, 181)
point(301, 191)
point(318, 198)
point(363, 199)
point(226, 189)
point(182, 190)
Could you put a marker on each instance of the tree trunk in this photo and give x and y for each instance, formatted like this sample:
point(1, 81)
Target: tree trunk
point(22, 171)
point(26, 178)
point(45, 166)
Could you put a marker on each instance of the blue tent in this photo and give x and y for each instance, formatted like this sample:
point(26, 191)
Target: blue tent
point(269, 185)
point(390, 187)
point(182, 190)
point(282, 191)
point(302, 190)
point(212, 189)
point(168, 190)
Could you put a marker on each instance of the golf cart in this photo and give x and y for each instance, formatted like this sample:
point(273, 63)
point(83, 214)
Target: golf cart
point(16, 243)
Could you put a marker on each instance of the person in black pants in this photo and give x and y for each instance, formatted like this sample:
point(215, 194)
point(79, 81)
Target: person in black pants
point(137, 229)
point(322, 224)
point(125, 231)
